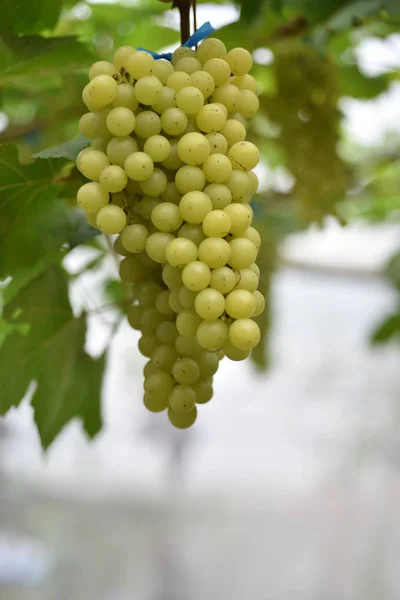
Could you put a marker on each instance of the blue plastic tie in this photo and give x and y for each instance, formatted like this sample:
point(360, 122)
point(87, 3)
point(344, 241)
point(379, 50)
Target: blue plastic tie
point(198, 36)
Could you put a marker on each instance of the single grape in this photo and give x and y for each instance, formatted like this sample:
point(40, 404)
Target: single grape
point(211, 48)
point(240, 61)
point(254, 181)
point(119, 148)
point(166, 99)
point(217, 168)
point(211, 118)
point(147, 345)
point(146, 206)
point(260, 303)
point(249, 104)
point(162, 69)
point(218, 143)
point(219, 70)
point(120, 121)
point(187, 346)
point(189, 179)
point(243, 253)
point(210, 304)
point(126, 96)
point(182, 420)
point(91, 164)
point(212, 335)
point(134, 315)
point(240, 216)
point(113, 179)
point(194, 206)
point(172, 277)
point(196, 276)
point(234, 353)
point(157, 244)
point(134, 237)
point(203, 390)
point(181, 52)
point(228, 95)
point(186, 297)
point(139, 64)
point(111, 219)
point(173, 162)
point(150, 319)
point(121, 56)
point(219, 194)
point(193, 232)
point(92, 197)
point(223, 279)
point(188, 64)
point(150, 368)
point(102, 90)
point(148, 123)
point(248, 280)
point(203, 82)
point(190, 100)
point(244, 156)
point(185, 371)
point(148, 89)
point(245, 82)
point(164, 357)
point(178, 80)
point(240, 304)
point(101, 67)
point(155, 185)
point(217, 224)
point(174, 301)
point(166, 217)
point(215, 252)
point(159, 384)
point(187, 322)
point(174, 121)
point(180, 252)
point(131, 270)
point(157, 147)
point(146, 293)
point(207, 362)
point(255, 268)
point(233, 131)
point(244, 334)
point(171, 193)
point(162, 304)
point(240, 185)
point(139, 166)
point(155, 404)
point(182, 399)
point(193, 148)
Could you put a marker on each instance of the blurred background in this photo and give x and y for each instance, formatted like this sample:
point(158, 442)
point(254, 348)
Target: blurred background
point(288, 486)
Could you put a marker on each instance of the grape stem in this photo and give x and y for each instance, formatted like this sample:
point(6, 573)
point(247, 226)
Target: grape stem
point(184, 10)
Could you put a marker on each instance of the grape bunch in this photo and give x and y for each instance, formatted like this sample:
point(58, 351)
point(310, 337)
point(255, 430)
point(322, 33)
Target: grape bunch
point(170, 171)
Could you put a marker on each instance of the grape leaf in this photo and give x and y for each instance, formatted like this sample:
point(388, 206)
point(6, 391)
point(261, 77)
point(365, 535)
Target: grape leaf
point(69, 149)
point(388, 329)
point(52, 354)
point(29, 16)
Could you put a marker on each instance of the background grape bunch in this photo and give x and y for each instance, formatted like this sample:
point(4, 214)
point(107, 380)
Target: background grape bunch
point(171, 172)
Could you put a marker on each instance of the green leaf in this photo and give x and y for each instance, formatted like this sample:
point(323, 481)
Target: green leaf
point(7, 327)
point(387, 330)
point(68, 149)
point(393, 270)
point(353, 13)
point(29, 16)
point(354, 83)
point(52, 354)
point(249, 11)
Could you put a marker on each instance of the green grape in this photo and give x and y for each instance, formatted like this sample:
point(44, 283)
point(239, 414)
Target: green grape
point(120, 121)
point(217, 168)
point(162, 69)
point(240, 186)
point(147, 205)
point(217, 224)
point(209, 304)
point(155, 185)
point(182, 399)
point(150, 320)
point(207, 362)
point(173, 162)
point(157, 147)
point(181, 52)
point(113, 179)
point(189, 179)
point(219, 194)
point(164, 357)
point(203, 390)
point(91, 126)
point(185, 371)
point(101, 67)
point(193, 232)
point(193, 148)
point(186, 297)
point(147, 345)
point(148, 123)
point(166, 99)
point(171, 193)
point(191, 127)
point(238, 117)
point(219, 70)
point(234, 353)
point(166, 217)
point(157, 244)
point(212, 335)
point(91, 218)
point(162, 304)
point(100, 144)
point(211, 48)
point(248, 280)
point(174, 121)
point(218, 143)
point(223, 279)
point(139, 64)
point(139, 166)
point(119, 249)
point(102, 90)
point(233, 131)
point(203, 82)
point(260, 303)
point(178, 80)
point(121, 56)
point(245, 82)
point(187, 323)
point(240, 304)
point(131, 270)
point(187, 346)
point(244, 334)
point(211, 118)
point(240, 61)
point(240, 216)
point(126, 97)
point(134, 315)
point(146, 293)
point(150, 368)
point(91, 164)
point(254, 181)
point(196, 276)
point(148, 89)
point(228, 95)
point(215, 252)
point(134, 237)
point(188, 64)
point(194, 206)
point(244, 156)
point(190, 100)
point(150, 264)
point(91, 197)
point(172, 277)
point(243, 253)
point(119, 148)
point(182, 420)
point(167, 332)
point(249, 104)
point(159, 384)
point(155, 404)
point(174, 301)
point(180, 252)
point(255, 268)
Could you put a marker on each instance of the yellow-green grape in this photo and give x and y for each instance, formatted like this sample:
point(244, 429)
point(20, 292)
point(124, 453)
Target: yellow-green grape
point(150, 319)
point(174, 121)
point(134, 315)
point(167, 332)
point(138, 166)
point(196, 276)
point(219, 70)
point(91, 163)
point(171, 193)
point(233, 131)
point(174, 301)
point(162, 304)
point(162, 69)
point(187, 322)
point(154, 185)
point(134, 237)
point(102, 90)
point(131, 270)
point(147, 344)
point(147, 292)
point(193, 148)
point(92, 197)
point(240, 185)
point(119, 148)
point(219, 194)
point(182, 420)
point(91, 126)
point(211, 118)
point(185, 371)
point(244, 334)
point(255, 268)
point(247, 280)
point(224, 279)
point(91, 218)
point(212, 335)
point(245, 82)
point(166, 99)
point(187, 346)
point(215, 252)
point(188, 64)
point(186, 297)
point(252, 234)
point(139, 64)
point(240, 216)
point(166, 217)
point(155, 404)
point(237, 116)
point(244, 156)
point(121, 56)
point(243, 253)
point(228, 95)
point(159, 384)
point(194, 206)
point(157, 244)
point(190, 100)
point(180, 252)
point(149, 368)
point(111, 219)
point(113, 179)
point(181, 52)
point(148, 89)
point(148, 123)
point(173, 162)
point(234, 353)
point(193, 232)
point(178, 80)
point(209, 304)
point(217, 224)
point(191, 127)
point(240, 304)
point(164, 357)
point(218, 143)
point(189, 179)
point(172, 277)
point(101, 67)
point(248, 103)
point(120, 121)
point(260, 303)
point(182, 399)
point(254, 181)
point(240, 61)
point(99, 143)
point(146, 206)
point(203, 82)
point(207, 362)
point(126, 97)
point(211, 48)
point(203, 390)
point(217, 168)
point(157, 147)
